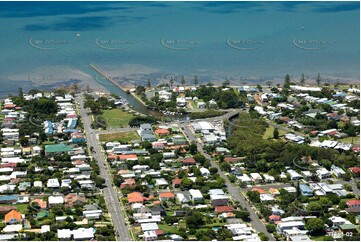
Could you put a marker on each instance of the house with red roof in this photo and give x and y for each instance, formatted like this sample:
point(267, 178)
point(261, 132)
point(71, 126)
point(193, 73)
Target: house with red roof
point(74, 199)
point(353, 203)
point(135, 197)
point(273, 218)
point(130, 182)
point(42, 204)
point(232, 160)
point(164, 196)
point(162, 132)
point(356, 149)
point(189, 161)
point(223, 209)
point(8, 165)
point(9, 106)
point(176, 182)
point(127, 157)
point(13, 217)
point(355, 170)
point(158, 145)
point(259, 190)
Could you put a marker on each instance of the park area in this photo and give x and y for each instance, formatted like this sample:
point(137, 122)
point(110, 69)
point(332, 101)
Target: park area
point(116, 118)
point(120, 136)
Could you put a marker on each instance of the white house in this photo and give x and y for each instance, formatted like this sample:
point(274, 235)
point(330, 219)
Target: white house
point(256, 177)
point(53, 183)
point(294, 175)
point(55, 200)
point(337, 171)
point(323, 173)
point(195, 195)
point(205, 172)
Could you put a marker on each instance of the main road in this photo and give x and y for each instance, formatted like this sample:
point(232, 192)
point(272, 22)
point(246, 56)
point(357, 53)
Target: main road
point(111, 197)
point(235, 192)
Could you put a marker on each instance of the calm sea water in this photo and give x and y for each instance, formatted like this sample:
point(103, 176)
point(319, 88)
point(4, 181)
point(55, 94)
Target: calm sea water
point(49, 42)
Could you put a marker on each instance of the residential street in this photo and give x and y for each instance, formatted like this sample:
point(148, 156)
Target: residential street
point(235, 192)
point(110, 194)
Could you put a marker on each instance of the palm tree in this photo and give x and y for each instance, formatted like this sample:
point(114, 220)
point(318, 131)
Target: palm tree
point(318, 79)
point(183, 81)
point(302, 81)
point(287, 81)
point(149, 85)
point(171, 82)
point(195, 81)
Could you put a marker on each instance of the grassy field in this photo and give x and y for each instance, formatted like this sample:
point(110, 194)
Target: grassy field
point(22, 208)
point(269, 133)
point(348, 140)
point(171, 229)
point(117, 117)
point(121, 136)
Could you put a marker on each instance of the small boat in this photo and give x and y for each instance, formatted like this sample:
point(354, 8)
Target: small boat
point(78, 35)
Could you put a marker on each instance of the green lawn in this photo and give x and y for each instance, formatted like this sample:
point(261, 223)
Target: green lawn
point(269, 133)
point(22, 208)
point(172, 229)
point(168, 229)
point(121, 136)
point(117, 117)
point(349, 140)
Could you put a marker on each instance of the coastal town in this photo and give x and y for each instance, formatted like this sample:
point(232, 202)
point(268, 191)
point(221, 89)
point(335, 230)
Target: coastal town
point(247, 163)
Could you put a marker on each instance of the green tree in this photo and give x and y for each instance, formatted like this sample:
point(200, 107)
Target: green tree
point(242, 214)
point(139, 89)
point(187, 183)
point(171, 81)
point(226, 83)
point(318, 79)
point(275, 133)
point(269, 83)
point(314, 207)
point(199, 158)
point(193, 148)
point(287, 82)
point(225, 167)
point(224, 234)
point(149, 84)
point(271, 228)
point(195, 81)
point(195, 220)
point(302, 80)
point(315, 225)
point(20, 92)
point(254, 196)
point(263, 237)
point(183, 81)
point(325, 202)
point(342, 205)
